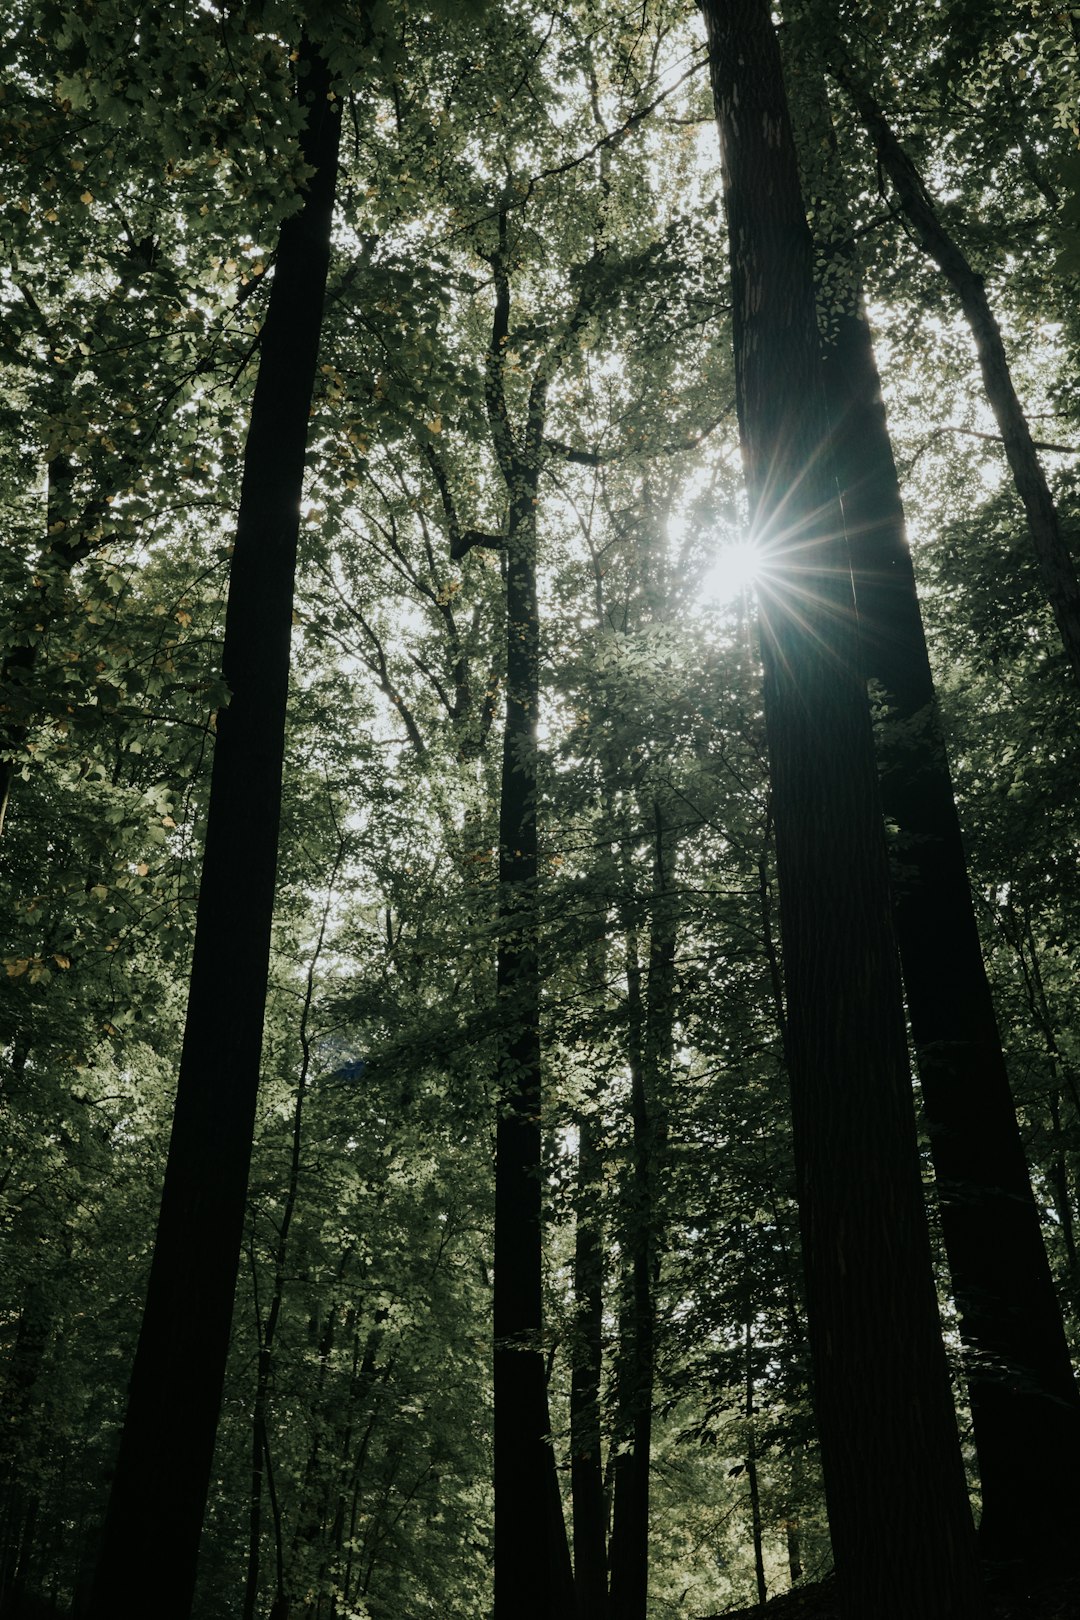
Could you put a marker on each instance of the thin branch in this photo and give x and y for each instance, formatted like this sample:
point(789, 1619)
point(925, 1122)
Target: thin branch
point(996, 438)
point(599, 458)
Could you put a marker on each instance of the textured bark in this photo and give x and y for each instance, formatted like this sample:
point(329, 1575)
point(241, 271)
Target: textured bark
point(1057, 568)
point(898, 1511)
point(1024, 1406)
point(162, 1475)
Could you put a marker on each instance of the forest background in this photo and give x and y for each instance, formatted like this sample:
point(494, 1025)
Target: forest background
point(526, 321)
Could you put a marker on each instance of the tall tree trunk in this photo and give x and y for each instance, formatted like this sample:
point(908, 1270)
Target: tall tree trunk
point(898, 1510)
point(629, 1552)
point(533, 1575)
point(532, 1572)
point(1024, 1405)
point(650, 1018)
point(751, 1462)
point(151, 1535)
point(1056, 565)
point(586, 1465)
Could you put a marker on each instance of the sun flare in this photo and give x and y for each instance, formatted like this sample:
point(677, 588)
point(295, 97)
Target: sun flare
point(734, 570)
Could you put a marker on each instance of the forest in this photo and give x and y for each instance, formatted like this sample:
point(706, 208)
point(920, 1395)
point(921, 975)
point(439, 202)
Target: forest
point(540, 810)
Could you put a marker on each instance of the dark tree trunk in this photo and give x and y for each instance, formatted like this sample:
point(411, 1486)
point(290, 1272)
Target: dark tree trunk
point(630, 1482)
point(1056, 566)
point(533, 1575)
point(531, 1557)
point(751, 1465)
point(1024, 1406)
point(151, 1536)
point(649, 1019)
point(586, 1466)
point(898, 1510)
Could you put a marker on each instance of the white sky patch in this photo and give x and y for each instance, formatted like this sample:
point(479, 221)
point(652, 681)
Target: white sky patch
point(735, 565)
point(734, 571)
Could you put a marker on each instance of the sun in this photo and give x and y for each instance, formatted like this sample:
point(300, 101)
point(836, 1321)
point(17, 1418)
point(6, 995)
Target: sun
point(734, 570)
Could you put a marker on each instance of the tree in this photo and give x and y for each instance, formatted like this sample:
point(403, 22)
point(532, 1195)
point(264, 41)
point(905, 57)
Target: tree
point(864, 1236)
point(155, 1514)
point(572, 151)
point(1023, 1397)
point(1056, 566)
point(532, 1563)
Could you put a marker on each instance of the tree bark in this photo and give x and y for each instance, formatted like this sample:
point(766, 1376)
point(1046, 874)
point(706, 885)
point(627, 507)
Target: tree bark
point(1056, 565)
point(151, 1535)
point(1024, 1406)
point(898, 1510)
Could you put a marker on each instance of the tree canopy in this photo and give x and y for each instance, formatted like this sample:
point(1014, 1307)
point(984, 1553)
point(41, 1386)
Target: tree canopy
point(566, 1094)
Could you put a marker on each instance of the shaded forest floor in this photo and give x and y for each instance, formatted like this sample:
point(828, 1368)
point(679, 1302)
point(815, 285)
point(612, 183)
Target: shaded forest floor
point(1056, 1598)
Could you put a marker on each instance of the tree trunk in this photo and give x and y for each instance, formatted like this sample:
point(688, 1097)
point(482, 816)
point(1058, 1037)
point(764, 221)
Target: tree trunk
point(151, 1535)
point(533, 1575)
point(650, 1020)
point(532, 1570)
point(900, 1521)
point(586, 1466)
point(751, 1465)
point(1024, 1406)
point(630, 1484)
point(1056, 565)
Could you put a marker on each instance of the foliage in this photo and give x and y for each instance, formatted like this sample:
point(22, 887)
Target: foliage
point(148, 161)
